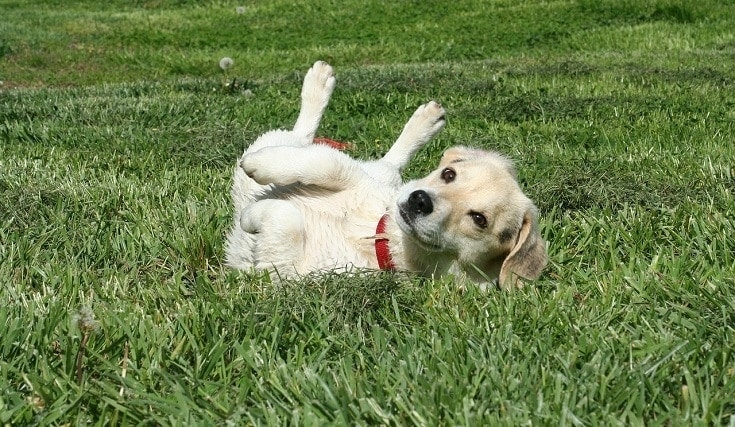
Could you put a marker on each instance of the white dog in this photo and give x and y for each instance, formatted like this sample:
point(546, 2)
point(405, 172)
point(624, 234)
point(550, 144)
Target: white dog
point(302, 207)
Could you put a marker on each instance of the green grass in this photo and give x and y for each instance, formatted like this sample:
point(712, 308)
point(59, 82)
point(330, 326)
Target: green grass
point(117, 139)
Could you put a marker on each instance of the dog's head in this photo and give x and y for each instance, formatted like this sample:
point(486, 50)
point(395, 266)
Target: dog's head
point(472, 210)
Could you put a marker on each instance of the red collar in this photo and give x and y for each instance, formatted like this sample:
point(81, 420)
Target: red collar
point(382, 251)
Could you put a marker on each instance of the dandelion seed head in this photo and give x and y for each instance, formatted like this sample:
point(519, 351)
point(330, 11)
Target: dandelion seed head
point(85, 320)
point(226, 63)
point(240, 10)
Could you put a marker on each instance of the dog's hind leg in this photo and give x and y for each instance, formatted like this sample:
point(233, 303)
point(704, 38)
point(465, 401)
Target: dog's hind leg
point(426, 122)
point(239, 245)
point(277, 227)
point(318, 87)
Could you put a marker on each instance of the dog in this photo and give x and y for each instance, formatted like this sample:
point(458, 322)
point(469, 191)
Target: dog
point(301, 207)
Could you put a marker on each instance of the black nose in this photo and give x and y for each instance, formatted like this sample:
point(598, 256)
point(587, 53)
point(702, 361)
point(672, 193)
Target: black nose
point(419, 202)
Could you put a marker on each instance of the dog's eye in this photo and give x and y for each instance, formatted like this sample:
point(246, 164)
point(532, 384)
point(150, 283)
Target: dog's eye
point(448, 175)
point(479, 219)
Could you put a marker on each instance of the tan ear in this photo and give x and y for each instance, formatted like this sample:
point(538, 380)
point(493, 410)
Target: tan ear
point(457, 154)
point(461, 153)
point(527, 258)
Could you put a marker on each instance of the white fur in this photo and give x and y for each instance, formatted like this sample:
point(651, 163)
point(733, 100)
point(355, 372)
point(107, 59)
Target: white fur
point(301, 207)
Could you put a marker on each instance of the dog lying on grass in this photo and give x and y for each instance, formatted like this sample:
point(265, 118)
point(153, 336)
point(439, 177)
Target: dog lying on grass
point(301, 207)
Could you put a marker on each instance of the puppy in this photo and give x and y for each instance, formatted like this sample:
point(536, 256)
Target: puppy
point(301, 207)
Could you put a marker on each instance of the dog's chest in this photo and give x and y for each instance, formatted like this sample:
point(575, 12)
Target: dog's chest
point(340, 228)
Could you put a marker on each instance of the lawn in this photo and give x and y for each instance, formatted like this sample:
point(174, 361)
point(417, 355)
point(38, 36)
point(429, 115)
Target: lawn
point(118, 134)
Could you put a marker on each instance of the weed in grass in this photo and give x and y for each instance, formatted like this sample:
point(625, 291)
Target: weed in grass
point(87, 325)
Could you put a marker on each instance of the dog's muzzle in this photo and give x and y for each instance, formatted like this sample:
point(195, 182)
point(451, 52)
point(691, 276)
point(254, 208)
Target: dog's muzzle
point(418, 204)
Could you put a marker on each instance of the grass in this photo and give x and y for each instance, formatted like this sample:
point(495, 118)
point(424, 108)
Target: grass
point(117, 138)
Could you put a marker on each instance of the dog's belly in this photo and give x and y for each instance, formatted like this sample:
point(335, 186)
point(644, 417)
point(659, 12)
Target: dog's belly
point(335, 243)
point(340, 229)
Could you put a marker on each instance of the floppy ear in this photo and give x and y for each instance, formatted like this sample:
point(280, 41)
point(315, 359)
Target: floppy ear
point(527, 258)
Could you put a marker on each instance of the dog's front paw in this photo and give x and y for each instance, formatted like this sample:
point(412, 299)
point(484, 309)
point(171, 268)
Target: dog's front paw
point(318, 85)
point(271, 165)
point(254, 166)
point(428, 119)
